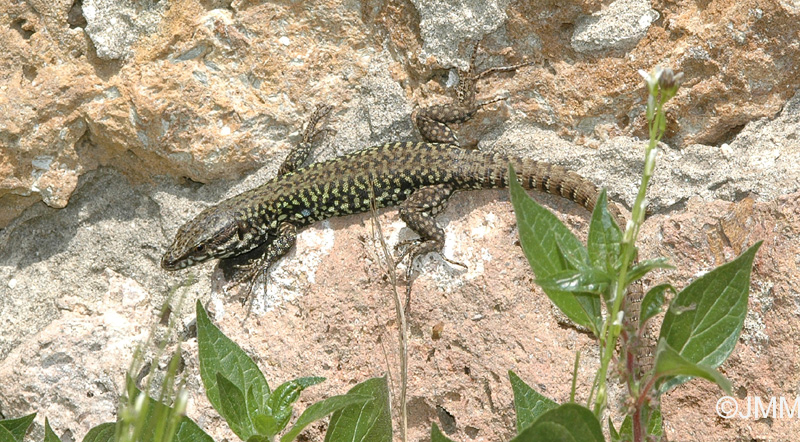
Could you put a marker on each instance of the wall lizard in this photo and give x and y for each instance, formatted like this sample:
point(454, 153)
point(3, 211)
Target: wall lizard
point(417, 176)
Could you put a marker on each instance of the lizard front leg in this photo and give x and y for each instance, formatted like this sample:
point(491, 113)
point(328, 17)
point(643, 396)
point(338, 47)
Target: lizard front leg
point(258, 261)
point(300, 153)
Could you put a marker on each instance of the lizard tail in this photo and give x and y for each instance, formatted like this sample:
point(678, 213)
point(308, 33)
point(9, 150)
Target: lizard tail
point(544, 177)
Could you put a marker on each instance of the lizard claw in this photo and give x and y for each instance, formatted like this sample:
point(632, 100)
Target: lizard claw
point(242, 277)
point(403, 249)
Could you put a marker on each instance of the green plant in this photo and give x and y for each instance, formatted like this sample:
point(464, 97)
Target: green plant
point(144, 419)
point(239, 392)
point(589, 284)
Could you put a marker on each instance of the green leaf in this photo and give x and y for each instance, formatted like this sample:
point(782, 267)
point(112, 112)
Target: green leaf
point(626, 429)
point(437, 436)
point(188, 431)
point(259, 413)
point(670, 363)
point(49, 434)
point(546, 241)
point(305, 382)
point(705, 319)
point(218, 354)
point(367, 422)
point(605, 237)
point(615, 436)
point(234, 408)
point(654, 426)
point(281, 400)
point(101, 433)
point(546, 432)
point(567, 422)
point(643, 267)
point(266, 424)
point(323, 408)
point(6, 436)
point(19, 426)
point(652, 302)
point(576, 281)
point(528, 403)
point(575, 257)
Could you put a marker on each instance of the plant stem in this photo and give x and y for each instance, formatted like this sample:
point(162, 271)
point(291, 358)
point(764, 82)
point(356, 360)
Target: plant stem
point(613, 324)
point(637, 425)
point(575, 376)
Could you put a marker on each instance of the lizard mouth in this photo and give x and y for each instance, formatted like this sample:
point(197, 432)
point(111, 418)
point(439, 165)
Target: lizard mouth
point(169, 263)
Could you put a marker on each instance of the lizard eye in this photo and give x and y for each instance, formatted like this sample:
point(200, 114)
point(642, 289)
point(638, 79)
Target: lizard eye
point(200, 248)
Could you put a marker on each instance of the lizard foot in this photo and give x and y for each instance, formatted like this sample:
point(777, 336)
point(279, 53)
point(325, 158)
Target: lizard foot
point(312, 129)
point(414, 248)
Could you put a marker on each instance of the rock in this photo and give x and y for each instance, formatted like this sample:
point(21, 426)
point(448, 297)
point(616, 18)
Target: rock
point(618, 27)
point(445, 25)
point(110, 139)
point(115, 26)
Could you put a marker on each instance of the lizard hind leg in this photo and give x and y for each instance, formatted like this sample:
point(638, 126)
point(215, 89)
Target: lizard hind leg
point(432, 121)
point(418, 212)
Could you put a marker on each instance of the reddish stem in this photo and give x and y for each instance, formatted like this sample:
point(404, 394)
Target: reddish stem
point(637, 425)
point(638, 434)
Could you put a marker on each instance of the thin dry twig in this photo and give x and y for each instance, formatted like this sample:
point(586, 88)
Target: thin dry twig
point(399, 310)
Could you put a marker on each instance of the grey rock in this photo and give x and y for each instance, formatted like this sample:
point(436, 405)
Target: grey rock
point(761, 161)
point(619, 27)
point(50, 255)
point(445, 24)
point(115, 25)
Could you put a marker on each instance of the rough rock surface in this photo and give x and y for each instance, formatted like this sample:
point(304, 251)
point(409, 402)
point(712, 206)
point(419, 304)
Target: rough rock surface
point(619, 26)
point(121, 120)
point(114, 26)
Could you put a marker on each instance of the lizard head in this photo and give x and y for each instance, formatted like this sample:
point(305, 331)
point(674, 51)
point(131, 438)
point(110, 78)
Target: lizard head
point(211, 234)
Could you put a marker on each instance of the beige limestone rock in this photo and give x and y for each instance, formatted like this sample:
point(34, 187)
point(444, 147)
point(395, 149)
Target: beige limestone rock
point(105, 149)
point(211, 90)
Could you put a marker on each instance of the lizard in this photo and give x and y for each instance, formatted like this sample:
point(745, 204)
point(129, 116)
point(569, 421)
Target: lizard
point(419, 177)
